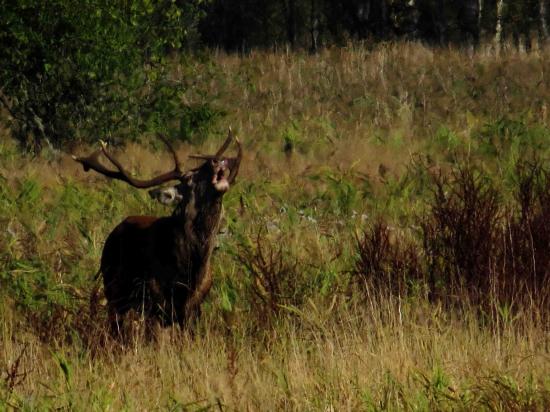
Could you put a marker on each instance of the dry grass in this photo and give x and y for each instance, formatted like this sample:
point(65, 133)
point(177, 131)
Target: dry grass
point(417, 358)
point(332, 142)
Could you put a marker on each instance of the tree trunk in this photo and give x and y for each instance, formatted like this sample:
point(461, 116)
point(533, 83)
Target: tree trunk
point(383, 10)
point(499, 28)
point(314, 28)
point(290, 17)
point(470, 22)
point(543, 27)
point(480, 18)
point(441, 23)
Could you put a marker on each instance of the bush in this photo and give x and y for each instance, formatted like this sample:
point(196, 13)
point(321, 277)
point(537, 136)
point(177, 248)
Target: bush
point(275, 279)
point(461, 233)
point(75, 70)
point(478, 245)
point(526, 252)
point(481, 247)
point(387, 263)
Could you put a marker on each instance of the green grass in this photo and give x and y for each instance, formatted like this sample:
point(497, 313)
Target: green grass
point(333, 143)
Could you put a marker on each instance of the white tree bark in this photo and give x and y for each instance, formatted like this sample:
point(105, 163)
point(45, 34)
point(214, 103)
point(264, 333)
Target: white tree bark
point(543, 25)
point(499, 28)
point(480, 16)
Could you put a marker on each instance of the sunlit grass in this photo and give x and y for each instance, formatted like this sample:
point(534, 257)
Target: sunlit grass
point(333, 142)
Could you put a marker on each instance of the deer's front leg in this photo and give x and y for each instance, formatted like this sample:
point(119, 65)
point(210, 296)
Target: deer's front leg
point(192, 309)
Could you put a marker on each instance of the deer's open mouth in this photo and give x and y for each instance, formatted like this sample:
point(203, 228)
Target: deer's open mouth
point(220, 182)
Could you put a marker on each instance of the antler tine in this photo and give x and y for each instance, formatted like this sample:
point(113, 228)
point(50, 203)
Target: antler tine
point(203, 157)
point(225, 144)
point(235, 162)
point(177, 163)
point(220, 151)
point(92, 162)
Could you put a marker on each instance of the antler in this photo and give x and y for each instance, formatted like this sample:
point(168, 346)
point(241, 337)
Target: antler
point(225, 144)
point(234, 162)
point(220, 151)
point(92, 162)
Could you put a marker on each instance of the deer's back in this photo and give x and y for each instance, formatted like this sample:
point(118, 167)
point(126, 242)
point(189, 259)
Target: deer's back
point(136, 253)
point(129, 241)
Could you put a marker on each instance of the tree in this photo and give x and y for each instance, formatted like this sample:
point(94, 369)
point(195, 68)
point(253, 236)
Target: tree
point(469, 22)
point(308, 24)
point(72, 69)
point(543, 27)
point(290, 19)
point(499, 25)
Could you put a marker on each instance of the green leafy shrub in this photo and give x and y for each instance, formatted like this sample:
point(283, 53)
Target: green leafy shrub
point(507, 136)
point(75, 70)
point(196, 122)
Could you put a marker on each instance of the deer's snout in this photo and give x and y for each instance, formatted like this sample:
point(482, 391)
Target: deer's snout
point(166, 195)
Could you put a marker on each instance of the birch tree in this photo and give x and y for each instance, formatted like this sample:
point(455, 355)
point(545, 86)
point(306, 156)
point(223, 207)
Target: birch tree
point(543, 27)
point(480, 7)
point(499, 25)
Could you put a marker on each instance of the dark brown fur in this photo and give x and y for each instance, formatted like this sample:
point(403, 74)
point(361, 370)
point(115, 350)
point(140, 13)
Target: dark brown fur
point(159, 266)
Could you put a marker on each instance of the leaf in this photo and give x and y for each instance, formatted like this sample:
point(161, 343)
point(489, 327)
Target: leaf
point(64, 366)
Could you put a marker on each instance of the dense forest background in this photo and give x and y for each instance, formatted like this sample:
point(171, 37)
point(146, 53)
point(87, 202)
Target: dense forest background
point(73, 70)
point(240, 25)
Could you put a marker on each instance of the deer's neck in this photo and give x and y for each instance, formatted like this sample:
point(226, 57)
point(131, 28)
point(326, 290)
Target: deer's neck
point(198, 224)
point(196, 227)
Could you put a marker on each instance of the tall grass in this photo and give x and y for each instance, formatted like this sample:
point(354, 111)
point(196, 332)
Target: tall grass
point(386, 246)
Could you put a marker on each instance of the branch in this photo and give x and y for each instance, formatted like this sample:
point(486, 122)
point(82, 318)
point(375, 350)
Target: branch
point(7, 105)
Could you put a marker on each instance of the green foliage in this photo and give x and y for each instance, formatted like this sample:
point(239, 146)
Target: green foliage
point(507, 136)
point(75, 70)
point(291, 139)
point(46, 286)
point(196, 122)
point(342, 192)
point(446, 140)
point(286, 326)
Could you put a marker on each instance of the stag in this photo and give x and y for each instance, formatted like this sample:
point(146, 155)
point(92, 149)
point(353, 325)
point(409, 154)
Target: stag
point(159, 266)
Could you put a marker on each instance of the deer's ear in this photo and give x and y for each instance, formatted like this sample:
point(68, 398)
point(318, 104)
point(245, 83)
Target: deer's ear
point(166, 195)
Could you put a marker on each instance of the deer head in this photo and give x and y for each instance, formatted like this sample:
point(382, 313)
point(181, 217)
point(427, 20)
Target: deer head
point(212, 179)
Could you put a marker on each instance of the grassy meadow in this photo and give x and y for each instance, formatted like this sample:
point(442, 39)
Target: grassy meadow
point(386, 246)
